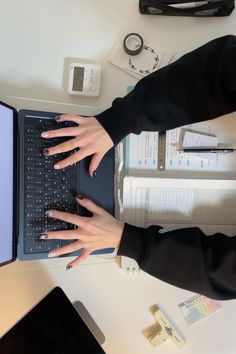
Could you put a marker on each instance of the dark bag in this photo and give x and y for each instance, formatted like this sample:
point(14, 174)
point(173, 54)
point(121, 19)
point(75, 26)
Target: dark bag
point(197, 8)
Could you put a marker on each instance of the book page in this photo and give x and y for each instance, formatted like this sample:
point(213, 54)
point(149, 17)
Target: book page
point(141, 153)
point(176, 203)
point(192, 139)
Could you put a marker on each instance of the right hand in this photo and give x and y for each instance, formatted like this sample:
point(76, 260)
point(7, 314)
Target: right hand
point(99, 231)
point(89, 136)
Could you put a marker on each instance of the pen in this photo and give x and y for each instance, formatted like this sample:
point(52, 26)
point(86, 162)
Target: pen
point(209, 150)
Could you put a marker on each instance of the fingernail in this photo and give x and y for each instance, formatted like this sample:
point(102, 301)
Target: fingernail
point(94, 173)
point(50, 255)
point(44, 135)
point(80, 196)
point(45, 152)
point(48, 213)
point(43, 237)
point(68, 267)
point(56, 166)
point(57, 118)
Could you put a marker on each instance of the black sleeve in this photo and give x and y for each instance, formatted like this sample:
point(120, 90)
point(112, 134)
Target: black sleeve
point(186, 258)
point(199, 86)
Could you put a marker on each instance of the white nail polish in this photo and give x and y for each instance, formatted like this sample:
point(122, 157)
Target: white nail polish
point(48, 213)
point(57, 166)
point(44, 135)
point(50, 255)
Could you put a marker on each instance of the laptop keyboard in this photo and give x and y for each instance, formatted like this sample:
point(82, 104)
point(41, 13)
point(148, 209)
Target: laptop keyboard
point(45, 187)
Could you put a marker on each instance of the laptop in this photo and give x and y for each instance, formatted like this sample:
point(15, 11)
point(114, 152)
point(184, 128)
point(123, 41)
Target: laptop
point(52, 326)
point(29, 185)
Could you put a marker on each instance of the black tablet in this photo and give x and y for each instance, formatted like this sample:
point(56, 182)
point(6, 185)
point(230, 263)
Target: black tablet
point(53, 326)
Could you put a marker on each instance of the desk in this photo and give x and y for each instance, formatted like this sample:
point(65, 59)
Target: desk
point(37, 38)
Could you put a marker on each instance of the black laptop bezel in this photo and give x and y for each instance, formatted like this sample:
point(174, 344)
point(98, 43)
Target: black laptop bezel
point(15, 183)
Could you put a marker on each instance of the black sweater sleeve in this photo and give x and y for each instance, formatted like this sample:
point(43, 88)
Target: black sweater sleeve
point(199, 86)
point(186, 258)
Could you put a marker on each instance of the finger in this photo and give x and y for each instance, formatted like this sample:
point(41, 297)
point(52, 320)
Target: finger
point(69, 117)
point(72, 247)
point(91, 206)
point(84, 254)
point(59, 235)
point(63, 147)
point(60, 132)
point(95, 161)
point(64, 216)
point(75, 157)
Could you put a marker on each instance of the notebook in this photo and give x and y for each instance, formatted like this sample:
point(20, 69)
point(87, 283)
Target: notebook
point(29, 185)
point(52, 326)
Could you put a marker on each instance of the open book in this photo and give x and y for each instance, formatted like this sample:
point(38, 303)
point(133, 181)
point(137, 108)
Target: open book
point(142, 152)
point(176, 203)
point(191, 190)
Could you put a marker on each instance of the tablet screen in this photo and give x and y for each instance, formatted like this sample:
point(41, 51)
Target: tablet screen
point(53, 326)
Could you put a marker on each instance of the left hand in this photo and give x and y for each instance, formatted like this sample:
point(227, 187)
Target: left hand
point(89, 136)
point(101, 230)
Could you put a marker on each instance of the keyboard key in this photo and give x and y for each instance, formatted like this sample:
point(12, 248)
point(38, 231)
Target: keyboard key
point(29, 246)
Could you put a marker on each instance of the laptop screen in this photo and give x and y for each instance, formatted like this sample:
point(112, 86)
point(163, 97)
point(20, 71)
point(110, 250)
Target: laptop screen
point(53, 326)
point(6, 183)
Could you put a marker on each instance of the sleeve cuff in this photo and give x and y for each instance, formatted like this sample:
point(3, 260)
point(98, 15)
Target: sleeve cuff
point(114, 123)
point(124, 117)
point(134, 243)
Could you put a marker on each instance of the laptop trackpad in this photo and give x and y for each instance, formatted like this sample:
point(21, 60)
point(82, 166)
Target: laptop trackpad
point(99, 189)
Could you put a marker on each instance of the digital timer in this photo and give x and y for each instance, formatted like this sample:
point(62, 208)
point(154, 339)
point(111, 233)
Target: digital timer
point(84, 79)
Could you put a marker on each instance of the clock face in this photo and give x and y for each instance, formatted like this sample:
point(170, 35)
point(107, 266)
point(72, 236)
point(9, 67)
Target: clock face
point(78, 78)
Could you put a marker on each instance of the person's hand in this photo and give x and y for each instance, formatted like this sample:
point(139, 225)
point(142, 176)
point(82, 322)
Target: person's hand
point(89, 136)
point(99, 231)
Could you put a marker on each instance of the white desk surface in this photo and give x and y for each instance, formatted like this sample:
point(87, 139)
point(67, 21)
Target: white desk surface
point(37, 39)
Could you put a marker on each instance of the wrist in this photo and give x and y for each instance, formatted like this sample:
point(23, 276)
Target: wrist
point(118, 232)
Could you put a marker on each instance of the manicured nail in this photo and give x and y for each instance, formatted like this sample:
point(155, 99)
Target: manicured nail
point(80, 197)
point(48, 213)
point(45, 152)
point(44, 135)
point(50, 255)
point(57, 118)
point(43, 237)
point(94, 173)
point(56, 166)
point(68, 267)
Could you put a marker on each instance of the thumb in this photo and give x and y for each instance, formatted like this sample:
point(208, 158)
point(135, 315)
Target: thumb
point(95, 161)
point(89, 205)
